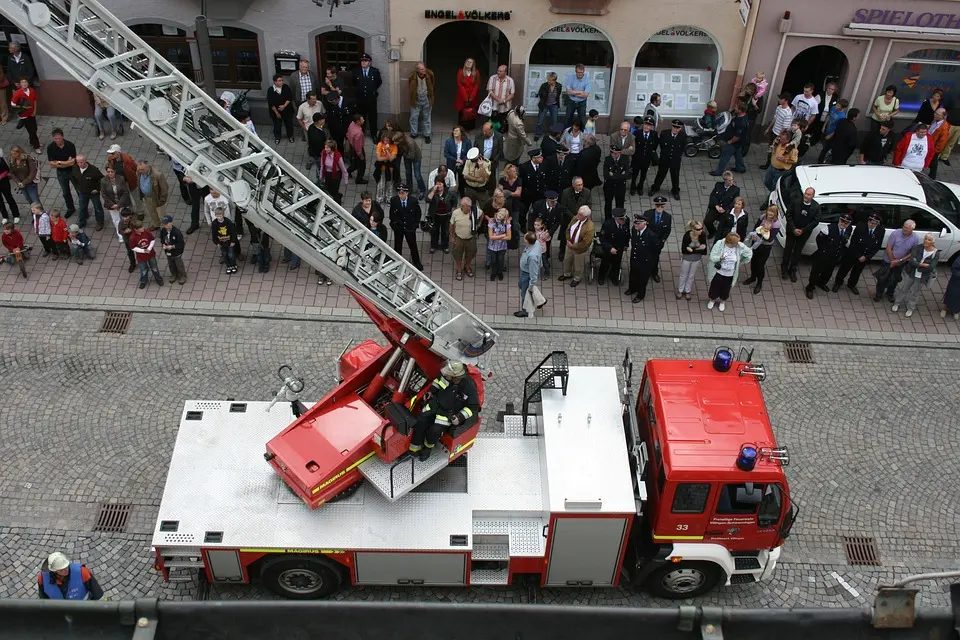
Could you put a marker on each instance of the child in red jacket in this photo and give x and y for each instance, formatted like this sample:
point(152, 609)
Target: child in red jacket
point(13, 242)
point(59, 235)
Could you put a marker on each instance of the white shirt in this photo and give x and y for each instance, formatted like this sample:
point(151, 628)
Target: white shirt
point(450, 180)
point(804, 107)
point(305, 112)
point(827, 97)
point(575, 231)
point(728, 261)
point(916, 153)
point(782, 118)
point(210, 205)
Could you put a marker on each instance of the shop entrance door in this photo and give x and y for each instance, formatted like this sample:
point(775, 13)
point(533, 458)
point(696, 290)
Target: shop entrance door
point(819, 65)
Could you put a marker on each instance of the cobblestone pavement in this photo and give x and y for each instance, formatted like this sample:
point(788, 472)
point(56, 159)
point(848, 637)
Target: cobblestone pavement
point(90, 418)
point(781, 307)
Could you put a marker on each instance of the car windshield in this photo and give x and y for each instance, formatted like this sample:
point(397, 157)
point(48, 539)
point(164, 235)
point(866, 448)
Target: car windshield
point(940, 198)
point(790, 191)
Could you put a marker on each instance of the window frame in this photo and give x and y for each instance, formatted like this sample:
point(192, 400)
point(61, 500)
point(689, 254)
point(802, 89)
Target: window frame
point(695, 486)
point(904, 212)
point(231, 44)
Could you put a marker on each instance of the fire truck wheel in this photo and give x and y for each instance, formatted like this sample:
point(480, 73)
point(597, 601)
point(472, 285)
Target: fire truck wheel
point(301, 577)
point(683, 580)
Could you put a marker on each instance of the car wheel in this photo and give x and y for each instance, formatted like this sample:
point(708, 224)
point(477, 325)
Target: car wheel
point(681, 580)
point(691, 149)
point(301, 577)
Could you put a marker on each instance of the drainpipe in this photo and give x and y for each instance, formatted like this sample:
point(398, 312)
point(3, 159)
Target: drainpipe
point(745, 51)
point(205, 51)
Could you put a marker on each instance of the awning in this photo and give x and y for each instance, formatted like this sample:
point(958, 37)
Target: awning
point(906, 33)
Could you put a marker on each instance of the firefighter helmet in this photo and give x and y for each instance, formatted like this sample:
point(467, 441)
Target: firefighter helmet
point(453, 369)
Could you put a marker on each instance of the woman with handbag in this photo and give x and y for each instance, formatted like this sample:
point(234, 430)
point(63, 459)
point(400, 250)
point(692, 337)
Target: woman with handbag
point(26, 173)
point(723, 267)
point(468, 88)
point(920, 269)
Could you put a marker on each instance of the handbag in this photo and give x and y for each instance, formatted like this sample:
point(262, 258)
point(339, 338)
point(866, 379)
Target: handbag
point(486, 107)
point(469, 113)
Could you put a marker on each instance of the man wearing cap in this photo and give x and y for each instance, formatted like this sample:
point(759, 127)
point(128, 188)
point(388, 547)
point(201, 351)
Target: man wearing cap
point(405, 220)
point(451, 401)
point(339, 117)
point(533, 177)
point(476, 175)
point(866, 240)
point(560, 168)
point(60, 579)
point(660, 224)
point(552, 141)
point(86, 180)
point(366, 85)
point(671, 144)
point(643, 257)
point(831, 244)
point(735, 137)
point(720, 202)
point(646, 142)
point(616, 169)
point(172, 242)
point(614, 239)
point(578, 238)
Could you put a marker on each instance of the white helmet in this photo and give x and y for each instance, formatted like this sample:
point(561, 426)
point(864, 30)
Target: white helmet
point(57, 561)
point(453, 369)
point(228, 97)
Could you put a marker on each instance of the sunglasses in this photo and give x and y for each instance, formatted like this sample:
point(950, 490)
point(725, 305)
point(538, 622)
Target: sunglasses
point(698, 228)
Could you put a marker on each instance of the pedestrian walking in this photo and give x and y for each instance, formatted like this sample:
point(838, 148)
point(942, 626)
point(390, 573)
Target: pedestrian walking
point(530, 297)
point(173, 244)
point(736, 136)
point(919, 270)
point(693, 246)
point(723, 267)
point(60, 579)
point(142, 242)
point(24, 101)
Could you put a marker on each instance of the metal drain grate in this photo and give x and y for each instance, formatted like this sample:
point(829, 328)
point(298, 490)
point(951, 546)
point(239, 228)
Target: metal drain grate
point(799, 352)
point(112, 518)
point(861, 551)
point(115, 322)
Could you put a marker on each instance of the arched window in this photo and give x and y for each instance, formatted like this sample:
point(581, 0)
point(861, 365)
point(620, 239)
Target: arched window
point(236, 57)
point(559, 50)
point(170, 42)
point(916, 75)
point(681, 64)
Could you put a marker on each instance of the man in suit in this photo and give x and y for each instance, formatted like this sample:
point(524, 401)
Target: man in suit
point(844, 140)
point(339, 117)
point(405, 220)
point(831, 245)
point(614, 239)
point(864, 243)
point(533, 177)
point(671, 143)
point(588, 162)
point(571, 199)
point(646, 142)
point(490, 143)
point(721, 201)
point(550, 212)
point(366, 85)
point(643, 257)
point(302, 82)
point(616, 169)
point(552, 141)
point(578, 237)
point(660, 224)
point(560, 168)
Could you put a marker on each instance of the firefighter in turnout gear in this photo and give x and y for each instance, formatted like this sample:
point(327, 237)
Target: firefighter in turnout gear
point(451, 400)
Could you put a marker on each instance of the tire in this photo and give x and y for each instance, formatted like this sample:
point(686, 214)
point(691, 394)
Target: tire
point(715, 152)
point(301, 577)
point(682, 580)
point(691, 150)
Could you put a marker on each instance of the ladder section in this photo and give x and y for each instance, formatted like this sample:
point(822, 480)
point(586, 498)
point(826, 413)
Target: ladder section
point(113, 62)
point(552, 373)
point(403, 475)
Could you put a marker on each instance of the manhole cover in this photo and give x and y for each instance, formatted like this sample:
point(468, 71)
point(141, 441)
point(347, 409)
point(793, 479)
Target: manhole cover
point(112, 518)
point(799, 352)
point(861, 551)
point(115, 322)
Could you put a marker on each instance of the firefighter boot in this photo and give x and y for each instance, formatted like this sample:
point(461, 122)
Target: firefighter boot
point(424, 453)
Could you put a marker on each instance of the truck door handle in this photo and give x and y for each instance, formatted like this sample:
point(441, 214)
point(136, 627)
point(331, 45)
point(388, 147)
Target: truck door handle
point(544, 532)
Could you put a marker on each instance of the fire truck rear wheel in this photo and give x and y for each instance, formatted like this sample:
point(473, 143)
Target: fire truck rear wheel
point(683, 580)
point(301, 577)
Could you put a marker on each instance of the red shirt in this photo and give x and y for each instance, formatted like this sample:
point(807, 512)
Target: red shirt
point(142, 239)
point(31, 97)
point(12, 240)
point(58, 230)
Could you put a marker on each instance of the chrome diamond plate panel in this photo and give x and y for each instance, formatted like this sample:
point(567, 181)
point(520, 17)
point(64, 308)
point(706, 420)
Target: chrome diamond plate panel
point(407, 473)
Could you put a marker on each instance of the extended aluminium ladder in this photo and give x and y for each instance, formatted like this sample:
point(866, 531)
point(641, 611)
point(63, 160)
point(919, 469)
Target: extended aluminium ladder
point(216, 150)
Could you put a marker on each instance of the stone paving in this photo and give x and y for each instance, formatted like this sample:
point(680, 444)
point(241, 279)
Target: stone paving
point(90, 418)
point(780, 309)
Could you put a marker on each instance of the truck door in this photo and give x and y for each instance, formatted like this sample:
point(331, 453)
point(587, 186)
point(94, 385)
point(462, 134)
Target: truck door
point(747, 516)
point(683, 513)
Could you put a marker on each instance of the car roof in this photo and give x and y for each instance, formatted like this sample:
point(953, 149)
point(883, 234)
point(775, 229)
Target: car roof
point(860, 181)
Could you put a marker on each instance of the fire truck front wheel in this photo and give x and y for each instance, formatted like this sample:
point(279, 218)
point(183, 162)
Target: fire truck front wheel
point(683, 580)
point(301, 577)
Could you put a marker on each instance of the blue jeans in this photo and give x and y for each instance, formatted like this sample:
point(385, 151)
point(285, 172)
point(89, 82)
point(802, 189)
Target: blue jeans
point(31, 193)
point(549, 111)
point(524, 283)
point(734, 150)
point(84, 200)
point(577, 109)
point(146, 268)
point(291, 257)
point(63, 177)
point(413, 167)
point(770, 177)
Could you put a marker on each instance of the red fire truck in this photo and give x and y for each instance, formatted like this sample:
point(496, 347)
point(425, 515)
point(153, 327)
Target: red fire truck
point(677, 491)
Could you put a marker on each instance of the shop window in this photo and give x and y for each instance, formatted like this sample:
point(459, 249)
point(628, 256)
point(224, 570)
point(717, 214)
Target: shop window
point(916, 76)
point(560, 50)
point(679, 63)
point(236, 58)
point(170, 42)
point(339, 48)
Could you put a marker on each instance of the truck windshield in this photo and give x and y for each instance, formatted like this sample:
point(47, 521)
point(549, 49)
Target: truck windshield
point(940, 198)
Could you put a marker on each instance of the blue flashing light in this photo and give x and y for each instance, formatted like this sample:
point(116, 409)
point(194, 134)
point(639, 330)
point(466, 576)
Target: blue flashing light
point(747, 460)
point(722, 359)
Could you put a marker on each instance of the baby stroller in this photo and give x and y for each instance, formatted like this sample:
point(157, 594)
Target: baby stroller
point(700, 138)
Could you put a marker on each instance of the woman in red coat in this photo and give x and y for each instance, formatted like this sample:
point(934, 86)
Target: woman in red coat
point(468, 86)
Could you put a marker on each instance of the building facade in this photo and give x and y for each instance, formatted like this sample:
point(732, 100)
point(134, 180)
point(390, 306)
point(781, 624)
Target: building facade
point(862, 46)
point(687, 51)
point(245, 36)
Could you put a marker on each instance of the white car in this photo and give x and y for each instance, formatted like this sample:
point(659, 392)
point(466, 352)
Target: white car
point(893, 193)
